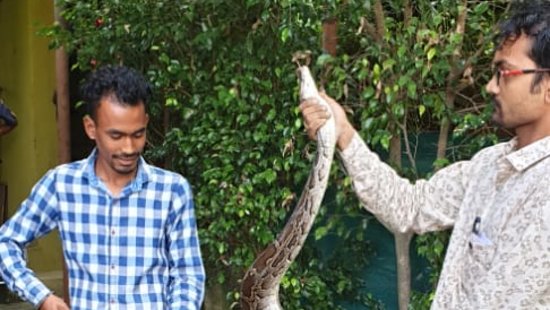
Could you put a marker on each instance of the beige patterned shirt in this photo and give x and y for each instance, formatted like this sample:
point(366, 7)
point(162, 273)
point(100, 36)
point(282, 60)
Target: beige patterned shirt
point(499, 205)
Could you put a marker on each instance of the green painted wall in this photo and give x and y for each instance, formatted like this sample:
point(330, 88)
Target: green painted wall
point(27, 78)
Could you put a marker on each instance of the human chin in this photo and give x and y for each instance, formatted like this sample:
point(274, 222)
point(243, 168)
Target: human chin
point(497, 118)
point(125, 167)
point(124, 170)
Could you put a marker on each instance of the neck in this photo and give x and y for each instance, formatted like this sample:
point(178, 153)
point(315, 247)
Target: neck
point(114, 181)
point(526, 136)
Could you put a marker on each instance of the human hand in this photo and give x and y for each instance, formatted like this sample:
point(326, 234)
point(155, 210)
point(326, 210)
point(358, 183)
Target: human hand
point(53, 302)
point(315, 116)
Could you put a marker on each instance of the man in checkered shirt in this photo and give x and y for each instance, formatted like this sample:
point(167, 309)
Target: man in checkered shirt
point(127, 228)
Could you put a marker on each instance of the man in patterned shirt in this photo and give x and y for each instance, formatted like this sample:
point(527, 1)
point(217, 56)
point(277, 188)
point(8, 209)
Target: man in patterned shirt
point(498, 202)
point(128, 229)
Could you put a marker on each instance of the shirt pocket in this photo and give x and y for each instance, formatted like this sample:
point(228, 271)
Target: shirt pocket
point(481, 252)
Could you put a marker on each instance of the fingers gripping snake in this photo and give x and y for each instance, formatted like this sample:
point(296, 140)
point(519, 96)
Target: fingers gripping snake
point(260, 285)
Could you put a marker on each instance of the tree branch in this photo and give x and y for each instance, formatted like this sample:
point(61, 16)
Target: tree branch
point(407, 13)
point(451, 78)
point(379, 20)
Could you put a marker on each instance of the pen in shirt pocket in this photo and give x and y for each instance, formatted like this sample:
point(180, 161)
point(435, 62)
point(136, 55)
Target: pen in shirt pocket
point(478, 237)
point(475, 226)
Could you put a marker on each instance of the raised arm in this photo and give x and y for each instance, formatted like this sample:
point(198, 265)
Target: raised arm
point(427, 205)
point(398, 204)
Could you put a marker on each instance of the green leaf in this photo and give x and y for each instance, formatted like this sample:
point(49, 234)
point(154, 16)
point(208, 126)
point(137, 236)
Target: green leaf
point(324, 59)
point(421, 110)
point(388, 64)
point(431, 53)
point(320, 232)
point(171, 102)
point(286, 33)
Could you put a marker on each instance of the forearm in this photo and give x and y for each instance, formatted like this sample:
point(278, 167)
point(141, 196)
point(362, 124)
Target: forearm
point(345, 137)
point(19, 279)
point(188, 289)
point(188, 277)
point(398, 204)
point(186, 267)
point(35, 217)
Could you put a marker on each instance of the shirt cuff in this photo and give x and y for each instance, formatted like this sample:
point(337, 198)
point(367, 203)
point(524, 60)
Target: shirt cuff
point(39, 295)
point(351, 150)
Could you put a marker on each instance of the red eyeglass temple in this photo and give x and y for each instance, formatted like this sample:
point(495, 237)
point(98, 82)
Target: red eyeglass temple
point(512, 72)
point(522, 71)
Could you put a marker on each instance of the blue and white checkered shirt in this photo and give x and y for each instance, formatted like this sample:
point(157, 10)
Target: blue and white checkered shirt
point(136, 251)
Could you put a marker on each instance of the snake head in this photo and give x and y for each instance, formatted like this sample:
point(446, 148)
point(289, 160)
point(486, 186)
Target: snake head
point(300, 56)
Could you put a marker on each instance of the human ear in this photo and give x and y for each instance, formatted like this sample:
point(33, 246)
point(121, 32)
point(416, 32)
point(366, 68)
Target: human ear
point(89, 127)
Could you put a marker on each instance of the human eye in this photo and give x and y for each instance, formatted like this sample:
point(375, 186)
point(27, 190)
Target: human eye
point(510, 72)
point(505, 72)
point(497, 73)
point(138, 134)
point(115, 135)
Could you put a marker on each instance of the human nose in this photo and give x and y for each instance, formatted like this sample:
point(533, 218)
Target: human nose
point(128, 145)
point(492, 86)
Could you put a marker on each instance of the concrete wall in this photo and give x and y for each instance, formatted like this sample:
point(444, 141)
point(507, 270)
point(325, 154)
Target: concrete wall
point(27, 78)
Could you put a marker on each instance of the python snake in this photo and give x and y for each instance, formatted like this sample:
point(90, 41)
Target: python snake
point(260, 285)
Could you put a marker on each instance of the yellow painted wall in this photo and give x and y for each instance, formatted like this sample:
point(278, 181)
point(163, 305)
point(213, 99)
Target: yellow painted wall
point(27, 77)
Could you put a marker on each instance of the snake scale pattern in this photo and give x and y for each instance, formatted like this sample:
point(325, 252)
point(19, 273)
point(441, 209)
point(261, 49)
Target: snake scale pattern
point(260, 285)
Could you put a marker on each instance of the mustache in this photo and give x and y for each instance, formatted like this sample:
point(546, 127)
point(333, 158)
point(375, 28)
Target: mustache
point(496, 102)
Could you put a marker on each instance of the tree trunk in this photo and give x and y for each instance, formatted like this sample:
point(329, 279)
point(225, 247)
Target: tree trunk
point(330, 36)
point(450, 91)
point(63, 114)
point(402, 245)
point(63, 108)
point(402, 241)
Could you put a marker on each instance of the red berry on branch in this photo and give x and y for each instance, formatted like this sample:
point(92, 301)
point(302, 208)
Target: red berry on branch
point(99, 22)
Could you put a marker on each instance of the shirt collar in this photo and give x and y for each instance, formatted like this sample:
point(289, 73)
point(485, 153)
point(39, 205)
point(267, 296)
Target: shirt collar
point(528, 155)
point(143, 174)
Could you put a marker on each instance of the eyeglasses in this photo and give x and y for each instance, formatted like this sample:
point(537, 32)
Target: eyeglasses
point(514, 72)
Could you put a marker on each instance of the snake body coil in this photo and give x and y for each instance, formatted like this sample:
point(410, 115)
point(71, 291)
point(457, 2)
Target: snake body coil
point(260, 285)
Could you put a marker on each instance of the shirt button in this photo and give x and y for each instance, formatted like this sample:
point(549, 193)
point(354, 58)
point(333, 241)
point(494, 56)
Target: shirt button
point(112, 267)
point(113, 232)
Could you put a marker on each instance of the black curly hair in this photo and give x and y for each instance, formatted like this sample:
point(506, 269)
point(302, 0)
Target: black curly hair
point(531, 18)
point(127, 85)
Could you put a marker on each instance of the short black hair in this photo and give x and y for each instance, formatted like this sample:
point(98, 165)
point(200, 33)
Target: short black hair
point(531, 18)
point(127, 85)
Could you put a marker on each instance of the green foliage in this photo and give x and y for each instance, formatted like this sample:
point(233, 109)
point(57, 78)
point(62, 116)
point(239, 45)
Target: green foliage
point(225, 111)
point(397, 84)
point(224, 115)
